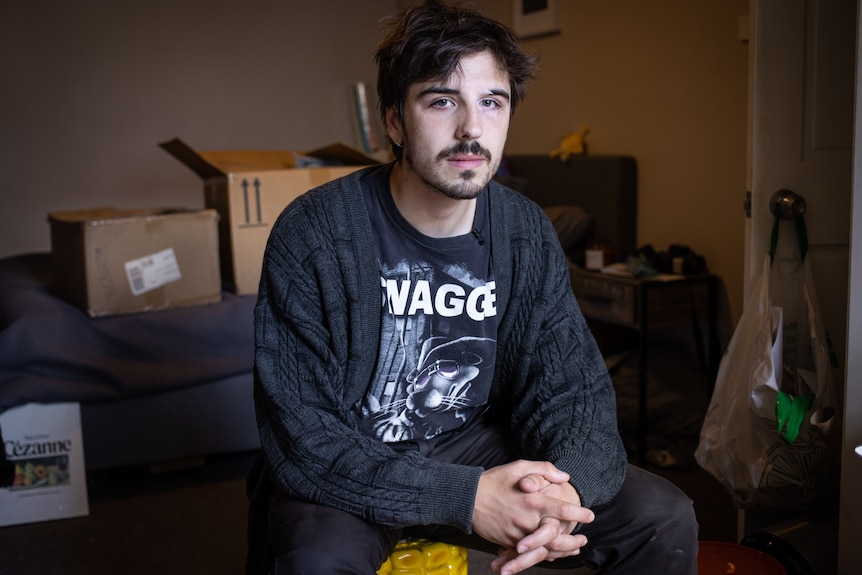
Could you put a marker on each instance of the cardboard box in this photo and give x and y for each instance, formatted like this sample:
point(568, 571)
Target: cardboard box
point(250, 188)
point(109, 261)
point(44, 442)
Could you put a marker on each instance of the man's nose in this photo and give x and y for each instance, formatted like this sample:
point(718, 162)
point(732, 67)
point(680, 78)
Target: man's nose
point(470, 126)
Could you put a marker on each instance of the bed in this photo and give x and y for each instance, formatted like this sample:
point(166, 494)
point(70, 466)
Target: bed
point(153, 387)
point(177, 384)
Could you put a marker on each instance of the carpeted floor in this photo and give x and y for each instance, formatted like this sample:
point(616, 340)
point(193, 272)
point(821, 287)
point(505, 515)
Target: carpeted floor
point(183, 522)
point(192, 521)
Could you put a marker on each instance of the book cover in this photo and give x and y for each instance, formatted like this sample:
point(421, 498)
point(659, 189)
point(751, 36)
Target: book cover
point(45, 445)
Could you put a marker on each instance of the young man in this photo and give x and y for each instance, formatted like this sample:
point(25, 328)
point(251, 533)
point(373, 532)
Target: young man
point(422, 367)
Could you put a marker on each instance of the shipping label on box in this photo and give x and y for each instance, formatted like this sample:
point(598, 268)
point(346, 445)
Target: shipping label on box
point(153, 271)
point(250, 188)
point(45, 444)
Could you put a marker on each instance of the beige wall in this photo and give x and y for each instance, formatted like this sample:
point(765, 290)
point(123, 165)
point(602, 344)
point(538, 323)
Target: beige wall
point(666, 82)
point(91, 87)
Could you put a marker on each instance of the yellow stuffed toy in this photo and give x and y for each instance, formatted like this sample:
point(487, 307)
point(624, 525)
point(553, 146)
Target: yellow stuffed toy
point(573, 144)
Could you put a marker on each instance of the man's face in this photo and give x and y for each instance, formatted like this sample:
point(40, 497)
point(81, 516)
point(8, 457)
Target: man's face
point(454, 130)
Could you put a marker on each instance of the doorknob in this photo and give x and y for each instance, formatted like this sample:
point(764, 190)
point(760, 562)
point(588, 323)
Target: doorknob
point(787, 204)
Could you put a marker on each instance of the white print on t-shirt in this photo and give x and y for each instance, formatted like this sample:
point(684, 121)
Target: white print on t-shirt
point(409, 298)
point(436, 355)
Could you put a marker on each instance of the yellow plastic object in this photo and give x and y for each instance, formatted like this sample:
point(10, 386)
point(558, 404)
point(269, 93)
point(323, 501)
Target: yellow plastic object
point(423, 557)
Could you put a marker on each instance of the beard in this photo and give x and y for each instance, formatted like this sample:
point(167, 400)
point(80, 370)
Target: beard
point(469, 184)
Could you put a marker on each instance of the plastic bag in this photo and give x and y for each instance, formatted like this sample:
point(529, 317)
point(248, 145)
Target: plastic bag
point(763, 435)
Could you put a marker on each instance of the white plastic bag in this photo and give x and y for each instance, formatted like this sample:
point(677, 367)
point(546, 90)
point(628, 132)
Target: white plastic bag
point(761, 437)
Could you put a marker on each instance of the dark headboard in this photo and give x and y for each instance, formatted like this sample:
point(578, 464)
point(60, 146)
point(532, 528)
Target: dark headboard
point(605, 186)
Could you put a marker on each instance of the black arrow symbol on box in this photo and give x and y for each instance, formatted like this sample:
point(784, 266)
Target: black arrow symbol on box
point(257, 200)
point(245, 200)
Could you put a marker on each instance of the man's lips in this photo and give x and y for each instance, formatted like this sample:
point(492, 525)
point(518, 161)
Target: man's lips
point(466, 160)
point(466, 156)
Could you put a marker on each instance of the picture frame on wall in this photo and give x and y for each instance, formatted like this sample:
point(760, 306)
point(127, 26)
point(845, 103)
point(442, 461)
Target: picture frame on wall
point(536, 17)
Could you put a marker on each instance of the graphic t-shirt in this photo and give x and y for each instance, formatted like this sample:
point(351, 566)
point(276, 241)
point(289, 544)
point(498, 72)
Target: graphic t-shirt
point(438, 337)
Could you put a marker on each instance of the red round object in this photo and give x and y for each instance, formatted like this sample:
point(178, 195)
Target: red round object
point(719, 558)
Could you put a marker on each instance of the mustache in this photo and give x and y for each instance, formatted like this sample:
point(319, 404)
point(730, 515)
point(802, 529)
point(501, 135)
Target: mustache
point(472, 148)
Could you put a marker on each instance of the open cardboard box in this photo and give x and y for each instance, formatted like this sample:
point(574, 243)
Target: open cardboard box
point(250, 188)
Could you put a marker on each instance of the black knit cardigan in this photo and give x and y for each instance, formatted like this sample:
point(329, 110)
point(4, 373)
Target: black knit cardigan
point(317, 329)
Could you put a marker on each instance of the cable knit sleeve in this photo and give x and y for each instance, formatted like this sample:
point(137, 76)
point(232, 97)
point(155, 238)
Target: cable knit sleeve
point(553, 378)
point(316, 324)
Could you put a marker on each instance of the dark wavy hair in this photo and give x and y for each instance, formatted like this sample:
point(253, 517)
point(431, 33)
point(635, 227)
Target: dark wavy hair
point(426, 43)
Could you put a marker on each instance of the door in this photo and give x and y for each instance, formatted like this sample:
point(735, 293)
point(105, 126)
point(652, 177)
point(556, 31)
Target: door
point(802, 66)
point(850, 519)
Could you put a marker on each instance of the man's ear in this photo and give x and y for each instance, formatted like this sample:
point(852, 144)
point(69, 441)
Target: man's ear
point(394, 126)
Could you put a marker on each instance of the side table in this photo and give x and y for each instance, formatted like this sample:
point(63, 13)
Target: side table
point(646, 303)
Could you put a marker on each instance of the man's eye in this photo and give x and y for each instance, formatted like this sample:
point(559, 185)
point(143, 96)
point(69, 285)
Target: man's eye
point(490, 103)
point(442, 103)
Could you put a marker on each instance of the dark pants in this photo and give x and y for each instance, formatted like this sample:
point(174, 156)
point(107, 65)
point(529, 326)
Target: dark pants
point(648, 527)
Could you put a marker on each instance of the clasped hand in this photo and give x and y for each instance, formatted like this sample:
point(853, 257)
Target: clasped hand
point(530, 509)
